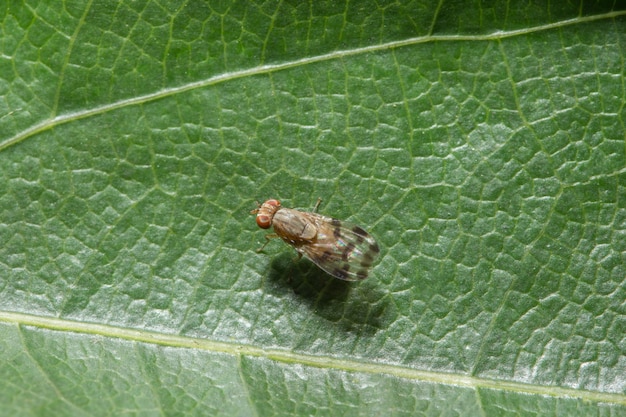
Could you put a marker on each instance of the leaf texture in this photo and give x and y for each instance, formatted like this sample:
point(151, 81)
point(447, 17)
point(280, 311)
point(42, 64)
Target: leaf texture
point(482, 146)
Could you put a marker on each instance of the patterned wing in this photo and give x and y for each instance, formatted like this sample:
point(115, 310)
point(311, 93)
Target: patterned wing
point(342, 249)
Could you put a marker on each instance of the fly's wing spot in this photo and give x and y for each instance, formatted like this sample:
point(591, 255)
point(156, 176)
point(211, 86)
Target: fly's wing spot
point(369, 255)
point(336, 228)
point(361, 234)
point(341, 272)
point(326, 256)
point(347, 251)
point(367, 261)
point(362, 274)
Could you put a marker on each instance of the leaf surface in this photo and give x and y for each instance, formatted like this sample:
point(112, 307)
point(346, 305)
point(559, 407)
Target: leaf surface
point(482, 145)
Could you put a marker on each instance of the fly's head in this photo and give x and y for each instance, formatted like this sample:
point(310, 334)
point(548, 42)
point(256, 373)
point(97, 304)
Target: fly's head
point(265, 213)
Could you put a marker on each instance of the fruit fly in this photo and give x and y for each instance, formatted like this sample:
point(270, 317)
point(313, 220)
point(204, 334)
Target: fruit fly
point(342, 249)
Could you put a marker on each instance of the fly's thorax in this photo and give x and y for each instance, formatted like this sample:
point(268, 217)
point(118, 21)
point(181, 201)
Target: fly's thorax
point(294, 226)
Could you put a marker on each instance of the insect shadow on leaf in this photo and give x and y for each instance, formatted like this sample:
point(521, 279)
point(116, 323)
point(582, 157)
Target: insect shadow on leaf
point(307, 280)
point(353, 309)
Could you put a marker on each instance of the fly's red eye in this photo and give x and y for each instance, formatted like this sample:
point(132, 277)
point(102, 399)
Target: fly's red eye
point(263, 221)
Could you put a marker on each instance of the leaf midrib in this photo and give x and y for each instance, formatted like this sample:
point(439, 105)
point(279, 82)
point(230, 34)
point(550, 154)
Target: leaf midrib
point(317, 361)
point(266, 69)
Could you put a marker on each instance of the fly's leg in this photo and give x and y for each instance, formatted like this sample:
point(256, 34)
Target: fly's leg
point(319, 200)
point(256, 210)
point(271, 236)
point(268, 237)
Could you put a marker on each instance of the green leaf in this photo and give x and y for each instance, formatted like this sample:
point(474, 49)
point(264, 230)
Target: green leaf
point(482, 144)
